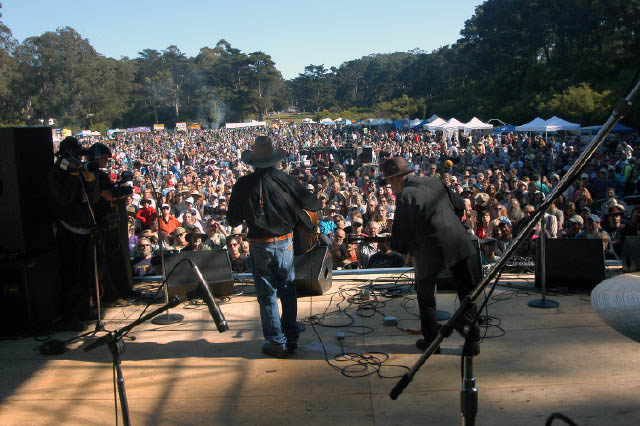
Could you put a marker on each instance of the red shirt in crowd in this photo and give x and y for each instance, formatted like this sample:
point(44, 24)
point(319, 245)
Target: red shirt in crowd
point(146, 215)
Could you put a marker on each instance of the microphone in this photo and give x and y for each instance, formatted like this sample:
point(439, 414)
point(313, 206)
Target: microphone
point(204, 293)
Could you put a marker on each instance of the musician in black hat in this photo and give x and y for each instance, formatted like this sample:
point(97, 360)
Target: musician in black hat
point(74, 189)
point(269, 201)
point(427, 224)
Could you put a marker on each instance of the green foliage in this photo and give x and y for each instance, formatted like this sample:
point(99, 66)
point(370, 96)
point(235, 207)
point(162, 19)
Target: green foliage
point(580, 103)
point(515, 59)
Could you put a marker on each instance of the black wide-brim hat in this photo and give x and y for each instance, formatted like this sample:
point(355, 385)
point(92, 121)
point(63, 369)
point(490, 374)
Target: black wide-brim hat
point(263, 155)
point(396, 166)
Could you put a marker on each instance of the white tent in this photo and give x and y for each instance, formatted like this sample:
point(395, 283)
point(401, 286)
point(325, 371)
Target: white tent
point(476, 124)
point(556, 123)
point(415, 123)
point(436, 123)
point(326, 121)
point(536, 125)
point(307, 120)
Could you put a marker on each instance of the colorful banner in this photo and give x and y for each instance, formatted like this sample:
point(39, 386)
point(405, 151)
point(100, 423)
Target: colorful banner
point(194, 126)
point(181, 127)
point(158, 127)
point(138, 130)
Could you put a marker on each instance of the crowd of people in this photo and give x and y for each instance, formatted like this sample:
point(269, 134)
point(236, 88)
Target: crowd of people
point(187, 180)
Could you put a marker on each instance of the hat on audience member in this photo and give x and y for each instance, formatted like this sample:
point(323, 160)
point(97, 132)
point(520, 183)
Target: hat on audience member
point(482, 199)
point(594, 218)
point(616, 208)
point(576, 219)
point(310, 187)
point(189, 200)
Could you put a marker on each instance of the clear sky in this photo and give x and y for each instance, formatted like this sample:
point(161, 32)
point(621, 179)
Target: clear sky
point(294, 33)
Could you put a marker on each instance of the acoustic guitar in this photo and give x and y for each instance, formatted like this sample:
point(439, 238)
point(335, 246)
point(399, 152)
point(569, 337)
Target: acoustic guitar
point(304, 237)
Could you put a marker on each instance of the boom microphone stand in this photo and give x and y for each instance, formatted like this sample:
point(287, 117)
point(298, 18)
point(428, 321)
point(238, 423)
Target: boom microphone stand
point(467, 408)
point(115, 343)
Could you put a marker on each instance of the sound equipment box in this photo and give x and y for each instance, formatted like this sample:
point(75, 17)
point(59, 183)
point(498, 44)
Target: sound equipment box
point(576, 264)
point(26, 156)
point(29, 293)
point(214, 265)
point(364, 154)
point(445, 279)
point(314, 271)
point(631, 254)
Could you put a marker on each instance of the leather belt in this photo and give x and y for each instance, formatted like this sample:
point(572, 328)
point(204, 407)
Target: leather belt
point(272, 239)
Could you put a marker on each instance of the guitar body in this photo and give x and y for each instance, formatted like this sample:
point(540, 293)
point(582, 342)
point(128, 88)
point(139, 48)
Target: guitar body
point(304, 239)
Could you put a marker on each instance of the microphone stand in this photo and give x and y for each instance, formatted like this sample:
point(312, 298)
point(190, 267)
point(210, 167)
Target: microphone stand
point(167, 318)
point(114, 341)
point(469, 389)
point(94, 243)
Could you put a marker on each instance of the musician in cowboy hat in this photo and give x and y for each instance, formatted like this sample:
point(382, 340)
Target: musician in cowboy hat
point(427, 225)
point(269, 201)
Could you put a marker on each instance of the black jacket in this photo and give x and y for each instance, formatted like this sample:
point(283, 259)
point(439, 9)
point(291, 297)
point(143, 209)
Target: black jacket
point(426, 221)
point(280, 194)
point(69, 201)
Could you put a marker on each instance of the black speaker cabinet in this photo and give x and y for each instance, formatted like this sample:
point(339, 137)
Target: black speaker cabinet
point(314, 271)
point(364, 154)
point(26, 156)
point(29, 293)
point(631, 254)
point(576, 264)
point(214, 265)
point(445, 279)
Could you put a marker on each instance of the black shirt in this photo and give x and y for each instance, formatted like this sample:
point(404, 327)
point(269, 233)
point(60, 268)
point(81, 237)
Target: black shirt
point(280, 194)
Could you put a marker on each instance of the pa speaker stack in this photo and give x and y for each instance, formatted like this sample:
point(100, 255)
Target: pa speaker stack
point(575, 264)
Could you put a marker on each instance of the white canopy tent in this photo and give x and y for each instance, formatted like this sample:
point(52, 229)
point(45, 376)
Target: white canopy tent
point(476, 124)
point(327, 121)
point(556, 123)
point(535, 125)
point(437, 122)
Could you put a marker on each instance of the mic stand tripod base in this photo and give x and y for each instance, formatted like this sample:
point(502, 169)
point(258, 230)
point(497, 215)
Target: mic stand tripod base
point(99, 325)
point(167, 319)
point(543, 303)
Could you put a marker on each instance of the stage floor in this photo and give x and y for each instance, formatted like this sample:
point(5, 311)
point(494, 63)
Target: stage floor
point(534, 362)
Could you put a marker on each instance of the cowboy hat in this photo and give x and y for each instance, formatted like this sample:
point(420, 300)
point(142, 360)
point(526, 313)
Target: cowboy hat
point(396, 166)
point(263, 155)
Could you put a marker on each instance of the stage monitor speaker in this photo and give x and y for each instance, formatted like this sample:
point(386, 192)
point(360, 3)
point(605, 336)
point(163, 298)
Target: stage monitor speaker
point(26, 156)
point(29, 293)
point(214, 265)
point(314, 271)
point(631, 254)
point(364, 154)
point(575, 264)
point(445, 279)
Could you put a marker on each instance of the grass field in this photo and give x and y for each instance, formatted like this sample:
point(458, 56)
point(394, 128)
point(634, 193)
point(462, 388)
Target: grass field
point(291, 117)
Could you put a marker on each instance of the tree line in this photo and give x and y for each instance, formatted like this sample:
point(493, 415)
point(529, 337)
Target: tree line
point(515, 59)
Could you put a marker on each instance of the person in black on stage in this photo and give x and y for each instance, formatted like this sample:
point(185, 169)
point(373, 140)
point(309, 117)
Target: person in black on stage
point(269, 201)
point(113, 263)
point(427, 225)
point(73, 224)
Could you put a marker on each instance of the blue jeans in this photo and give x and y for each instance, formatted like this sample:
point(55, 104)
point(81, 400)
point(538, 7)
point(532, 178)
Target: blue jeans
point(273, 277)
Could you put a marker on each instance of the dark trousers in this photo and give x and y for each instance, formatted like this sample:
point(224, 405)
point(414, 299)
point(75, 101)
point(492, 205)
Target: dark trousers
point(76, 270)
point(426, 289)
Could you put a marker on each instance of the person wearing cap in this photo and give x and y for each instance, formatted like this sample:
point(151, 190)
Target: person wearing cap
point(576, 223)
point(427, 225)
point(593, 230)
point(74, 190)
point(270, 202)
point(614, 224)
point(179, 240)
point(195, 239)
point(168, 222)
